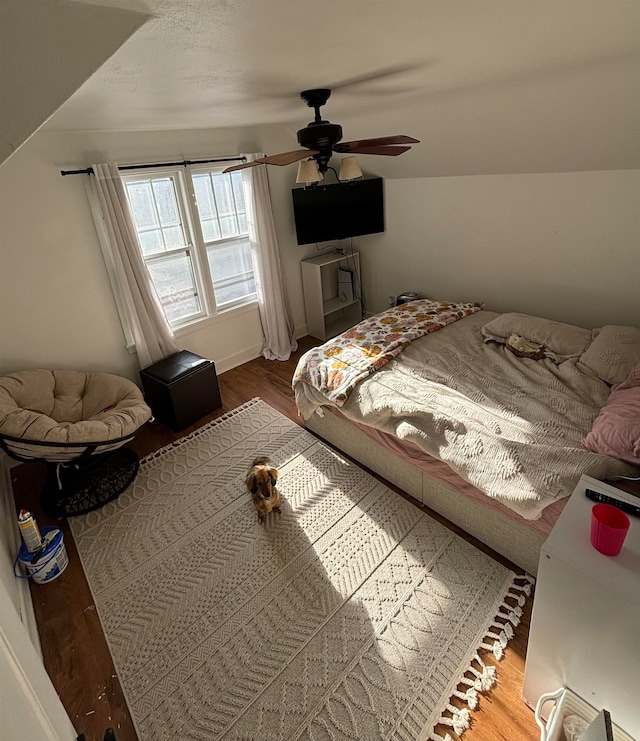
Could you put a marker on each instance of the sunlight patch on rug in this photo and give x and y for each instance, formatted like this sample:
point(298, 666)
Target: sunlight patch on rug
point(350, 615)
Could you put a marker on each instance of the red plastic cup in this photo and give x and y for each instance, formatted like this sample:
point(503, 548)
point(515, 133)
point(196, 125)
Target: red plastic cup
point(609, 527)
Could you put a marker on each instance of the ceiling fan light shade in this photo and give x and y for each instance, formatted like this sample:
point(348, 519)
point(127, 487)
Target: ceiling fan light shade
point(308, 172)
point(349, 169)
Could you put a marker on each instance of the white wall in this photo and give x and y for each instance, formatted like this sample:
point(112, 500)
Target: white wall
point(56, 306)
point(564, 246)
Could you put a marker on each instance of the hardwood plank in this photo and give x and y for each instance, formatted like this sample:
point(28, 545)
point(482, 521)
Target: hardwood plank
point(76, 654)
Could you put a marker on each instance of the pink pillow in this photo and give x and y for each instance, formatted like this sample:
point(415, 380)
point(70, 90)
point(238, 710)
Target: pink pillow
point(616, 430)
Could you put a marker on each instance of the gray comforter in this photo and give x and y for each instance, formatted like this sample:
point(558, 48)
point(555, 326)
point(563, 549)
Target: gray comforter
point(510, 426)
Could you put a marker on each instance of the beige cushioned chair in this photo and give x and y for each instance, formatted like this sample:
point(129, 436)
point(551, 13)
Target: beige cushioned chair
point(77, 424)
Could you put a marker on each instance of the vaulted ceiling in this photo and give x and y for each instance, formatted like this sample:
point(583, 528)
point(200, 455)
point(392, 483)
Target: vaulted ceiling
point(486, 85)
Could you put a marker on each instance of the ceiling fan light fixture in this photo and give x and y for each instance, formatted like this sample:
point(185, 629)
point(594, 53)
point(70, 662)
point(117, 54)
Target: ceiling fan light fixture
point(308, 172)
point(349, 169)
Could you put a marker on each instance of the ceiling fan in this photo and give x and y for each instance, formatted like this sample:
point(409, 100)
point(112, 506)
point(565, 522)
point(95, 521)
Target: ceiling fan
point(322, 138)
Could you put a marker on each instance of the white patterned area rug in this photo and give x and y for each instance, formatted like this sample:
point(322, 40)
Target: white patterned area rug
point(350, 615)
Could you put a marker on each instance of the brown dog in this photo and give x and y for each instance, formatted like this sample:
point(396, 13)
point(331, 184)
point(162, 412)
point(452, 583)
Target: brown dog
point(261, 484)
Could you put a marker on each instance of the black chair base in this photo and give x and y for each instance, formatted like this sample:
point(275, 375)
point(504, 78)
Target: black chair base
point(82, 486)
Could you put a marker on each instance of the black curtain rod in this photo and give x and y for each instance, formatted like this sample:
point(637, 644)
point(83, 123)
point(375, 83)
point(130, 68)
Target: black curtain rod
point(184, 163)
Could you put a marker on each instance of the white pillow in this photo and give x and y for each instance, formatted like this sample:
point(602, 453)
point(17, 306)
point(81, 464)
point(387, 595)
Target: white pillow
point(560, 341)
point(613, 354)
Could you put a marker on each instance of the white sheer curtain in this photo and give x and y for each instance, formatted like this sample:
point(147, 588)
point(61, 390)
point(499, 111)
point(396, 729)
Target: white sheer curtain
point(141, 312)
point(279, 340)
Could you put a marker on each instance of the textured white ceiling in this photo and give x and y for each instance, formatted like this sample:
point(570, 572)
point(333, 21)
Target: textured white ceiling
point(214, 63)
point(427, 68)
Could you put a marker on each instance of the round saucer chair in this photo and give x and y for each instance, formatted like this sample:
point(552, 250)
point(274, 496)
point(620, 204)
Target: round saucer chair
point(77, 424)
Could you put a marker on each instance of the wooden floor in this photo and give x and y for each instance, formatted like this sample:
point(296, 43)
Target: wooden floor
point(75, 651)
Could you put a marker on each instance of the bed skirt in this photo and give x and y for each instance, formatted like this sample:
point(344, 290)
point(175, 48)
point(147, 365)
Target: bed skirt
point(510, 535)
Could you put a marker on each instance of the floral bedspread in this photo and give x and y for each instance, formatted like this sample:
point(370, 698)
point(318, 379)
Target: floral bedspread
point(338, 366)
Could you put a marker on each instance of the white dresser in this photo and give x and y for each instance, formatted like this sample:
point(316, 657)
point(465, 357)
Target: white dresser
point(585, 625)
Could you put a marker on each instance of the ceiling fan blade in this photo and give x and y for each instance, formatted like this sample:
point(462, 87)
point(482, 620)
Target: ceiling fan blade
point(388, 151)
point(381, 140)
point(255, 163)
point(377, 75)
point(287, 158)
point(284, 158)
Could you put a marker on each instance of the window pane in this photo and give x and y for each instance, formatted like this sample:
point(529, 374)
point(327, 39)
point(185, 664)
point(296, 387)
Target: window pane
point(175, 283)
point(226, 204)
point(154, 204)
point(164, 192)
point(222, 188)
point(221, 205)
point(173, 237)
point(229, 226)
point(231, 270)
point(151, 242)
point(210, 229)
point(238, 190)
point(141, 200)
point(204, 196)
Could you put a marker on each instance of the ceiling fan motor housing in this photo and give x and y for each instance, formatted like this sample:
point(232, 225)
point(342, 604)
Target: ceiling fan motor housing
point(317, 136)
point(321, 137)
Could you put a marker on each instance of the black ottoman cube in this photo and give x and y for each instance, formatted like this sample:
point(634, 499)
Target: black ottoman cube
point(181, 389)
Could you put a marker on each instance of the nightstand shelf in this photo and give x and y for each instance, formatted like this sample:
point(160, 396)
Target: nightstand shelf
point(328, 312)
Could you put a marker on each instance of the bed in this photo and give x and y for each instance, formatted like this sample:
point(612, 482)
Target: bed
point(489, 419)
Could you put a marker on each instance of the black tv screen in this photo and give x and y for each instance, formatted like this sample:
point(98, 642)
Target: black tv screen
point(338, 211)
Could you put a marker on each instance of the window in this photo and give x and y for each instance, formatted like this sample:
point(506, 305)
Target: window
point(192, 228)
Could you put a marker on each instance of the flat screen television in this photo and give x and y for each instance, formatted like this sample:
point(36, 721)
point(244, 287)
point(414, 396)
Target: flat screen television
point(338, 211)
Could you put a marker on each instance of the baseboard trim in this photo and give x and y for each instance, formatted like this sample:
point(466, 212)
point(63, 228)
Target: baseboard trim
point(232, 361)
point(251, 353)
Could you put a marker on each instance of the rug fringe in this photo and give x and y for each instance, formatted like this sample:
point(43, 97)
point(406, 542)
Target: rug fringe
point(483, 676)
